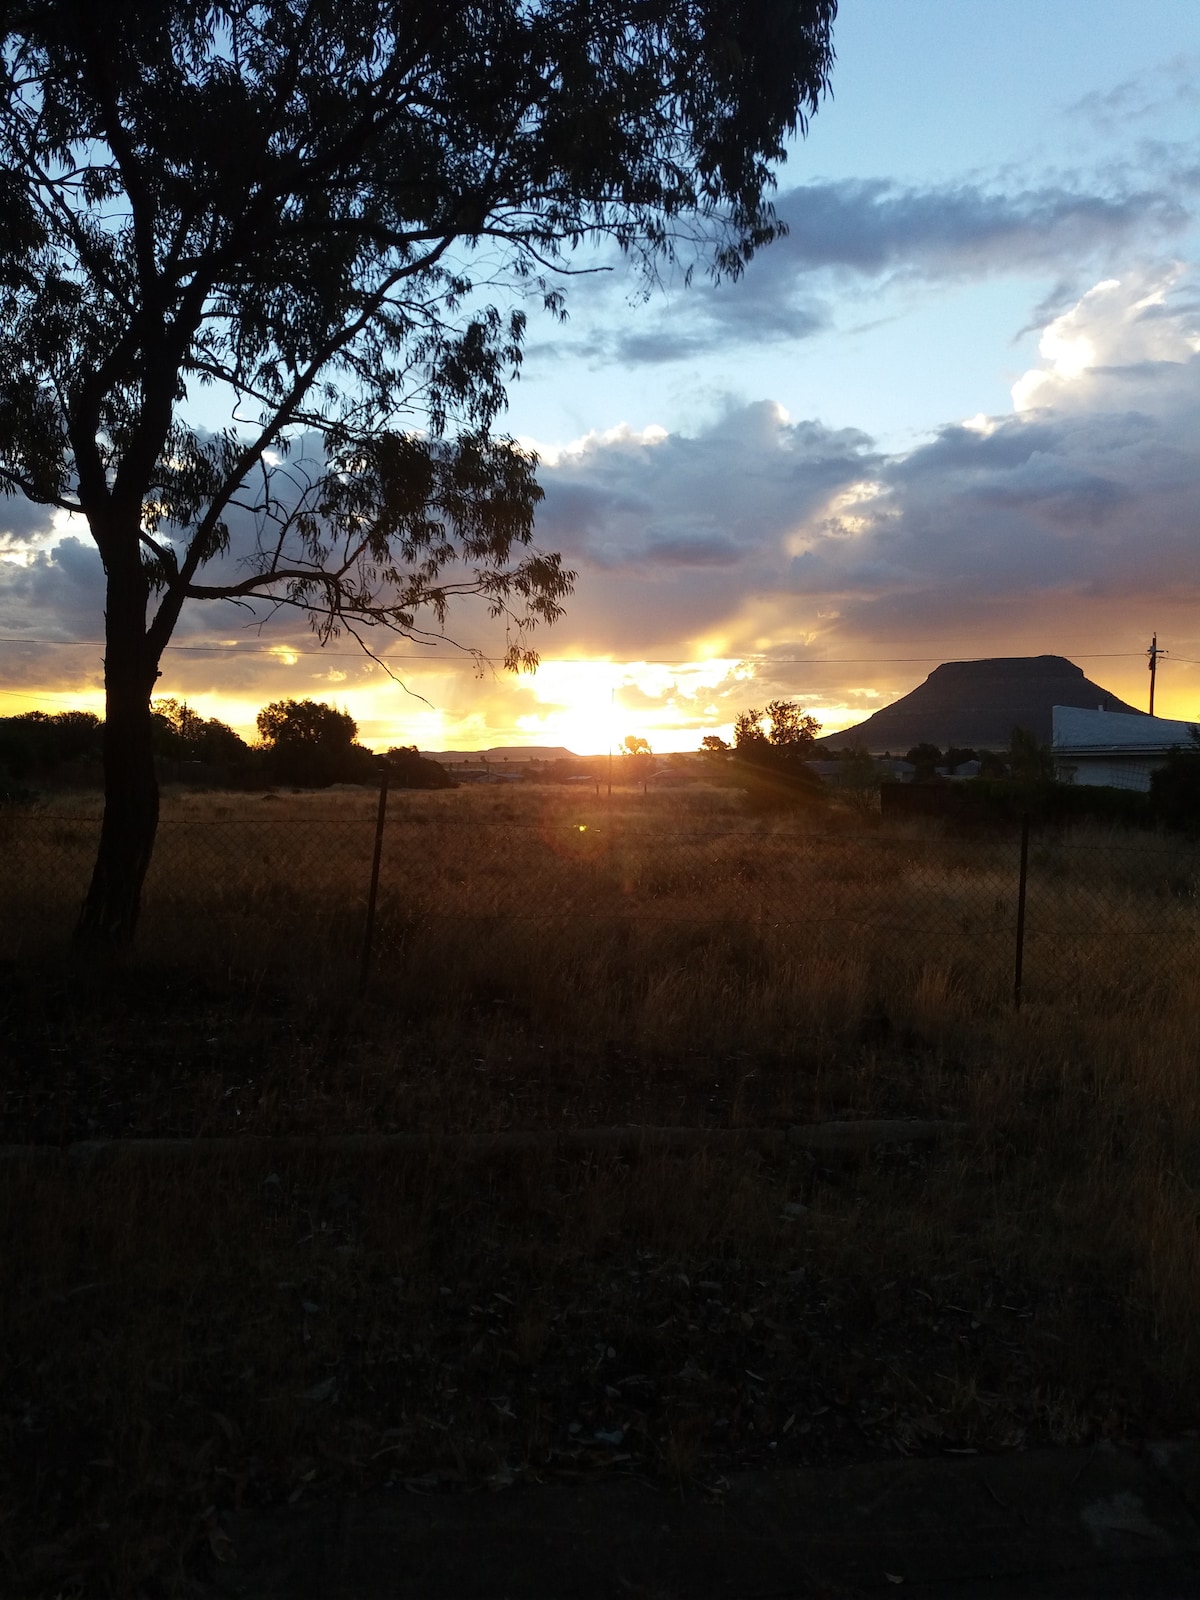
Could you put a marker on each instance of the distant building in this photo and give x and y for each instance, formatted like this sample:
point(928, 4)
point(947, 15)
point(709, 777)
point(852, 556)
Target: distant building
point(1112, 748)
point(893, 769)
point(888, 769)
point(674, 777)
point(466, 774)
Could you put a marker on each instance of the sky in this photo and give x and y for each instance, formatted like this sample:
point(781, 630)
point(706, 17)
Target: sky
point(952, 414)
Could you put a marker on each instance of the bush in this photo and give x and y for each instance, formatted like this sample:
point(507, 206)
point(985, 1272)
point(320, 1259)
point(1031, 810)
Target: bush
point(409, 770)
point(1175, 791)
point(311, 745)
point(777, 789)
point(43, 744)
point(988, 801)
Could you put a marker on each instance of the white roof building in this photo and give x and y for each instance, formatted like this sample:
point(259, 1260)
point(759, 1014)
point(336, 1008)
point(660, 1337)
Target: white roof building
point(1112, 747)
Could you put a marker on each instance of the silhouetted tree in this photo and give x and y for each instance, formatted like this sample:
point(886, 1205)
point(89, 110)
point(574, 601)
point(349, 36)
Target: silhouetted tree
point(1175, 789)
point(1029, 760)
point(792, 731)
point(771, 764)
point(859, 779)
point(187, 736)
point(787, 742)
point(748, 734)
point(313, 744)
point(638, 762)
point(44, 742)
point(306, 207)
point(991, 765)
point(713, 745)
point(411, 770)
point(926, 758)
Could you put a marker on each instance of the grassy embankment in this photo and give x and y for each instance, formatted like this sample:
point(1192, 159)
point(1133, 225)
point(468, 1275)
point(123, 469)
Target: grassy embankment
point(181, 1336)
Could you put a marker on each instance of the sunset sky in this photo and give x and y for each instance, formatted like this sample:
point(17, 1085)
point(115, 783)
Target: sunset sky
point(955, 413)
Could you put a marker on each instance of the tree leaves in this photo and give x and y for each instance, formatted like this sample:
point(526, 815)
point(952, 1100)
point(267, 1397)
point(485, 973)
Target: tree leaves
point(286, 204)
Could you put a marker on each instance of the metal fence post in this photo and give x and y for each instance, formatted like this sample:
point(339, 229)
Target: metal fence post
point(1021, 912)
point(369, 930)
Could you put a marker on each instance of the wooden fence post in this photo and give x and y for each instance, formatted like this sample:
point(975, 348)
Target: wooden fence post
point(1020, 962)
point(369, 930)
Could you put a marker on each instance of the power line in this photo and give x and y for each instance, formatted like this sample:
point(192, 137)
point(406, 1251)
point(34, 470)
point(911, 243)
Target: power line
point(649, 661)
point(219, 649)
point(22, 694)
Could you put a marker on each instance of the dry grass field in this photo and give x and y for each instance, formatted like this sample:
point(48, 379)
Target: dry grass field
point(178, 1335)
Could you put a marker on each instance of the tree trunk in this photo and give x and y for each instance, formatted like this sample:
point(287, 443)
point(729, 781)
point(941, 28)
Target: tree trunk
point(110, 911)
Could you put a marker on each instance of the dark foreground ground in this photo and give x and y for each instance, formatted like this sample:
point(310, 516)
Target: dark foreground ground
point(1051, 1524)
point(682, 1374)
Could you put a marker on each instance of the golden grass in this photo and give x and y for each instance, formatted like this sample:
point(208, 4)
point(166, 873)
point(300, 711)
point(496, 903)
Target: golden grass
point(545, 958)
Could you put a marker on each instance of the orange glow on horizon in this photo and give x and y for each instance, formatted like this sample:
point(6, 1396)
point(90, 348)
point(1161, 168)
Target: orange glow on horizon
point(590, 705)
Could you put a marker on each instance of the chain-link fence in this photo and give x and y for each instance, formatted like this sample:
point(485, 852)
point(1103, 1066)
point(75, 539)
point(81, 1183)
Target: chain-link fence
point(580, 890)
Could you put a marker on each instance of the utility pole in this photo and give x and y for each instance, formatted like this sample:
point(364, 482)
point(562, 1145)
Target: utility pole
point(612, 711)
point(1154, 652)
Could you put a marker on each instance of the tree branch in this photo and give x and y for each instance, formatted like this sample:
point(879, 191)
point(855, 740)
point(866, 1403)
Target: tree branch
point(21, 485)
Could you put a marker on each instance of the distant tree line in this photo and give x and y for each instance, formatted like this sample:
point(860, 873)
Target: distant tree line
point(1027, 759)
point(302, 743)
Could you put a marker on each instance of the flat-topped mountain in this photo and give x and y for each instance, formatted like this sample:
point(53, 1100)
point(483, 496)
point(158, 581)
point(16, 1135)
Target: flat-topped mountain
point(978, 703)
point(505, 752)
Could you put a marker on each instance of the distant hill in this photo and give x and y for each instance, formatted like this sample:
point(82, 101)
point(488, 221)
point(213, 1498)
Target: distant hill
point(505, 752)
point(977, 704)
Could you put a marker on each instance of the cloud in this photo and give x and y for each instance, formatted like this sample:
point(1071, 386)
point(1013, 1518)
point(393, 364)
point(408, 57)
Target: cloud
point(1127, 339)
point(875, 226)
point(783, 544)
point(781, 541)
point(1167, 87)
point(1087, 490)
point(663, 527)
point(22, 521)
point(59, 588)
point(875, 232)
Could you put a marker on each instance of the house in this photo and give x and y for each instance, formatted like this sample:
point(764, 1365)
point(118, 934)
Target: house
point(892, 769)
point(486, 774)
point(1113, 748)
